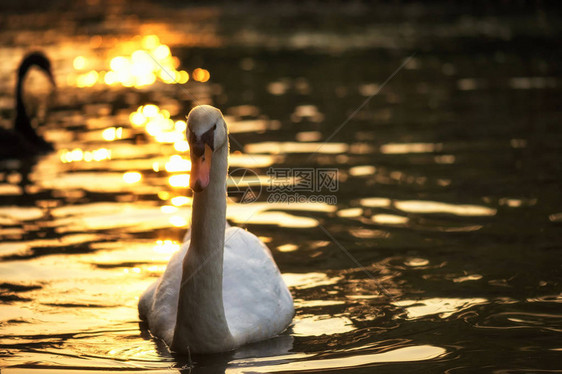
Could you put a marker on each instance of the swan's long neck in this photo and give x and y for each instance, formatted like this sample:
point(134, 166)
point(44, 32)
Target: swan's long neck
point(22, 122)
point(201, 320)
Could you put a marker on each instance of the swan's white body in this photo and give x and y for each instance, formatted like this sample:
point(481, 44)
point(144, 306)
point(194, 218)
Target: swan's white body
point(222, 289)
point(257, 303)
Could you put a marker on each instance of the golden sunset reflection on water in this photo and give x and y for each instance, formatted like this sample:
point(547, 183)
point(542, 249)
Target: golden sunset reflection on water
point(132, 177)
point(167, 246)
point(181, 200)
point(76, 155)
point(137, 63)
point(178, 163)
point(112, 133)
point(160, 133)
point(179, 180)
point(158, 124)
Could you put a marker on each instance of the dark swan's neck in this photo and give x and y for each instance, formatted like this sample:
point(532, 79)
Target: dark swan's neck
point(22, 123)
point(201, 320)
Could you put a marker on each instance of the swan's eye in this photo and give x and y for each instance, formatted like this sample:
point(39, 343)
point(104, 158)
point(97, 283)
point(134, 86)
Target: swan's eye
point(215, 127)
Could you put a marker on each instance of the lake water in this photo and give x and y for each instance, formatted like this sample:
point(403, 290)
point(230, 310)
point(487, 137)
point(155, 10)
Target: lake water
point(437, 250)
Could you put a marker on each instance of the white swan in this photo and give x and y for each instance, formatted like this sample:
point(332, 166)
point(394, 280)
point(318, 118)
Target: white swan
point(222, 289)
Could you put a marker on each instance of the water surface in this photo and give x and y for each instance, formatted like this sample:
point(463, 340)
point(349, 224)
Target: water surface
point(441, 251)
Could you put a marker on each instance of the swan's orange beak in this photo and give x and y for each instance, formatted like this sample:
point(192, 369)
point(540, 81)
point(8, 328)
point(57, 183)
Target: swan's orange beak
point(200, 170)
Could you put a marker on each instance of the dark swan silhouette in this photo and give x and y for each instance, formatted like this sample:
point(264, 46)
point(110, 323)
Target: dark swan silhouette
point(23, 141)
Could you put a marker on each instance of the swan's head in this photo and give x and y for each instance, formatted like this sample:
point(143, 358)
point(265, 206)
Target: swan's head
point(206, 132)
point(36, 59)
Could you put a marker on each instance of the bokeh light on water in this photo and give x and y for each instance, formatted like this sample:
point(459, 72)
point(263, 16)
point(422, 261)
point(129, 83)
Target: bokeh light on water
point(152, 61)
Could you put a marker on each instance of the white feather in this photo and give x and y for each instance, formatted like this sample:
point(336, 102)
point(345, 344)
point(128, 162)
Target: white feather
point(256, 300)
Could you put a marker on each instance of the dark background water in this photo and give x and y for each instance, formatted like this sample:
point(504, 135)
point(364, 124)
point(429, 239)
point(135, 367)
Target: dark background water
point(441, 253)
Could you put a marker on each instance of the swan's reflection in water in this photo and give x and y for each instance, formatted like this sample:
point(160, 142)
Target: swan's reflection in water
point(273, 351)
point(252, 357)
